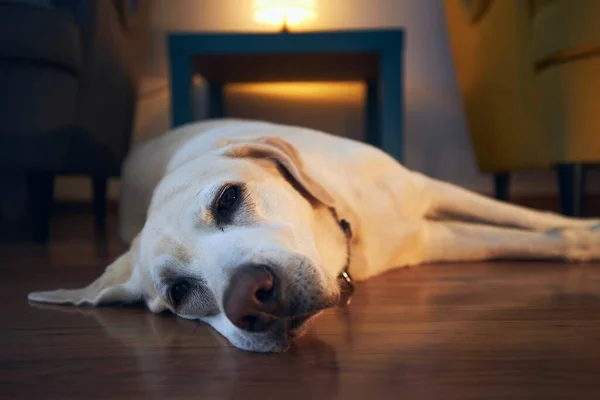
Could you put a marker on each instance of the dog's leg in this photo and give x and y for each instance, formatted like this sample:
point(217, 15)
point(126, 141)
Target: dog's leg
point(446, 241)
point(450, 202)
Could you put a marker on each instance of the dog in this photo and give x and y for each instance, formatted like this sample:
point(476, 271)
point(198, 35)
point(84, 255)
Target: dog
point(255, 228)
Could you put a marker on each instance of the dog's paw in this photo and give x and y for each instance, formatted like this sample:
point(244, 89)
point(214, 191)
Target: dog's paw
point(580, 245)
point(579, 223)
point(591, 224)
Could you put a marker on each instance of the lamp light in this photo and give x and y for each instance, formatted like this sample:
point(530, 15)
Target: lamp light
point(284, 13)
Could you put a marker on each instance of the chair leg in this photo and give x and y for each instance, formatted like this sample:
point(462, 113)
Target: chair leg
point(502, 186)
point(99, 186)
point(40, 187)
point(571, 180)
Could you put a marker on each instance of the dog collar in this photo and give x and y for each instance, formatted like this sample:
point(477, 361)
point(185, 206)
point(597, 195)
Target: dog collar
point(345, 280)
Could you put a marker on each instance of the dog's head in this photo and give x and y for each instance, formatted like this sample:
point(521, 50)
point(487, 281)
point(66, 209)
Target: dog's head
point(241, 238)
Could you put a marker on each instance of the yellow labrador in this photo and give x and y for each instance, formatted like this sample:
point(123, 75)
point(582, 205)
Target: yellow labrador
point(256, 227)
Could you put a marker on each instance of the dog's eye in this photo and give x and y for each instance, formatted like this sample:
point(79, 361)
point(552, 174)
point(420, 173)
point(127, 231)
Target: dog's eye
point(227, 200)
point(178, 291)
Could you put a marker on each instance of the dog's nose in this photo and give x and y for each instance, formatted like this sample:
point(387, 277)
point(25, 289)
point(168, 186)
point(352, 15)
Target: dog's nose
point(253, 296)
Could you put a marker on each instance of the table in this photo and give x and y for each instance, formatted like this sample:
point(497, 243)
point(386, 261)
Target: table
point(372, 56)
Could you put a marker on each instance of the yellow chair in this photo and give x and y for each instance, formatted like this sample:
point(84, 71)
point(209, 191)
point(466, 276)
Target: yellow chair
point(529, 75)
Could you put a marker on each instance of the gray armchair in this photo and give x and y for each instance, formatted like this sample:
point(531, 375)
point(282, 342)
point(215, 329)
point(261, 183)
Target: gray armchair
point(69, 73)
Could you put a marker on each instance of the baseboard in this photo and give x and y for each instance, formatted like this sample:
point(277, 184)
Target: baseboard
point(18, 230)
point(539, 202)
point(79, 206)
point(552, 203)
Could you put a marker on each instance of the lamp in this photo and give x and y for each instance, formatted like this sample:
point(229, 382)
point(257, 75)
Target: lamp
point(284, 13)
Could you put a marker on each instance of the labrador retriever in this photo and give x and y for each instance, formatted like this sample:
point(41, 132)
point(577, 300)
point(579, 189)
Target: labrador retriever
point(255, 227)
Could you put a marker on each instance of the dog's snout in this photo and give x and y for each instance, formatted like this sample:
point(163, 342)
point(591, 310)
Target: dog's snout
point(252, 298)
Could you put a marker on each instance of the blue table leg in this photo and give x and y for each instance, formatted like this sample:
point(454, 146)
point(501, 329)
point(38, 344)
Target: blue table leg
point(391, 73)
point(181, 89)
point(373, 114)
point(215, 100)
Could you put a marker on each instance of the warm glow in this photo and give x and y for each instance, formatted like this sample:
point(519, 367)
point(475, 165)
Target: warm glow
point(315, 92)
point(283, 13)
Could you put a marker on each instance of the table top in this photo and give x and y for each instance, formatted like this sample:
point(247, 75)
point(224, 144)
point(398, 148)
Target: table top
point(269, 57)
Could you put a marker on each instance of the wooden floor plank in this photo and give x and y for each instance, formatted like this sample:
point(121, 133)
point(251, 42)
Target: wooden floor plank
point(485, 330)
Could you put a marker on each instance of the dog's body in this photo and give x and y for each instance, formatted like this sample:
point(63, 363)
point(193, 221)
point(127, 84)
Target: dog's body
point(286, 181)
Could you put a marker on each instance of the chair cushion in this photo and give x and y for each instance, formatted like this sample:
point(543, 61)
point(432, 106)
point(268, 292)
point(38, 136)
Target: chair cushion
point(565, 28)
point(39, 35)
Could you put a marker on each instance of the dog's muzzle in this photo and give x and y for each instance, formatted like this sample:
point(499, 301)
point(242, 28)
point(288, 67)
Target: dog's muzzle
point(256, 298)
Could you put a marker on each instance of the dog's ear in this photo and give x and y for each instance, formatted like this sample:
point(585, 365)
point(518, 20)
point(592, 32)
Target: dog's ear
point(286, 156)
point(116, 285)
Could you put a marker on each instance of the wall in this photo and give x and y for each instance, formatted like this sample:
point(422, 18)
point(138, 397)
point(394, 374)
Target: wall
point(436, 137)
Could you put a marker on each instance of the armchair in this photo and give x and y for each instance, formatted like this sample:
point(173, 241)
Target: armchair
point(529, 76)
point(69, 72)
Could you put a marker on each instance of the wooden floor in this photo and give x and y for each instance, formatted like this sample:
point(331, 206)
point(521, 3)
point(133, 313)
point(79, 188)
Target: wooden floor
point(493, 331)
